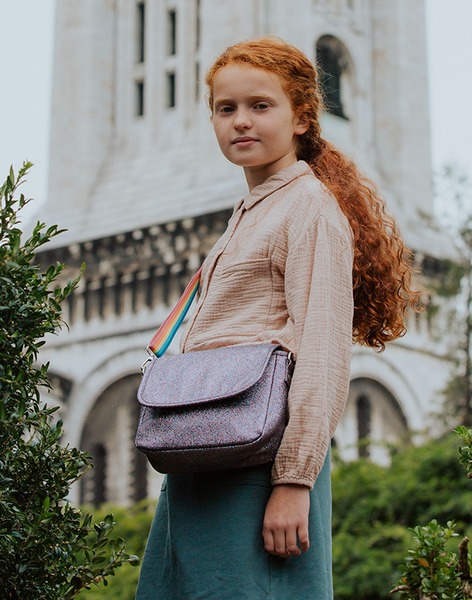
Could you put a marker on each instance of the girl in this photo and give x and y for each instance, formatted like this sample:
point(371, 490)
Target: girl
point(309, 261)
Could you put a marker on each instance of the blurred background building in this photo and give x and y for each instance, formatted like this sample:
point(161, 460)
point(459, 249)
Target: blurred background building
point(138, 180)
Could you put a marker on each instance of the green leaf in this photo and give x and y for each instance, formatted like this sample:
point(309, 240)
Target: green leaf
point(60, 553)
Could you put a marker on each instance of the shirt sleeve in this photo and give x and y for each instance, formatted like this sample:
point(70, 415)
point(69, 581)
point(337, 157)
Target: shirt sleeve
point(318, 289)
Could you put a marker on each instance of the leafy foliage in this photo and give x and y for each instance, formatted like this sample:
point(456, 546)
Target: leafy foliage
point(133, 525)
point(465, 452)
point(431, 570)
point(48, 549)
point(375, 507)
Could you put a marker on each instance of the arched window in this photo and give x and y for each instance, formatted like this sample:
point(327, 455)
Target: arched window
point(120, 471)
point(335, 72)
point(373, 422)
point(99, 474)
point(364, 417)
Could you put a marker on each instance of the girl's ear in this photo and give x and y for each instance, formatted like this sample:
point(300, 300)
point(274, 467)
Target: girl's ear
point(301, 124)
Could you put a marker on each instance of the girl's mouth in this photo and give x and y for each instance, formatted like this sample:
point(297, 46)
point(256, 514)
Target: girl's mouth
point(243, 141)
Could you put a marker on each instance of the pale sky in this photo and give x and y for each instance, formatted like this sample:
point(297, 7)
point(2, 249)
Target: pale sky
point(26, 47)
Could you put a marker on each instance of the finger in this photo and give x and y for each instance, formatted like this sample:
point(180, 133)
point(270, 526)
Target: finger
point(268, 537)
point(303, 537)
point(291, 542)
point(280, 543)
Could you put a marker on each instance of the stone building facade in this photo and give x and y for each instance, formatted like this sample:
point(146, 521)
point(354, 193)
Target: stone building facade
point(136, 177)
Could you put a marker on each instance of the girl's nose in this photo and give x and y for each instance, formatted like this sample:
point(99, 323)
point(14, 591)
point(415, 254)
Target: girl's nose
point(242, 120)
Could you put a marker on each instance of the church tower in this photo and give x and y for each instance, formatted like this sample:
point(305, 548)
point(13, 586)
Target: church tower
point(138, 180)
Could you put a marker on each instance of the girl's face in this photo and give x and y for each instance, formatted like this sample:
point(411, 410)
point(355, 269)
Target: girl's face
point(253, 120)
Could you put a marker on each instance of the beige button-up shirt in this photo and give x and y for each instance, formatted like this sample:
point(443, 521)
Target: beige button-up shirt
point(282, 273)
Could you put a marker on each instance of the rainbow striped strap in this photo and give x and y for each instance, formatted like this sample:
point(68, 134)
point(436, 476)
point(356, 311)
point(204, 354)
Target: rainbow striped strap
point(166, 332)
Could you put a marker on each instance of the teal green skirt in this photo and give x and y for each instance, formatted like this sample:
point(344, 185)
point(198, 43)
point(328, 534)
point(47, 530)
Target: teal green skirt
point(206, 542)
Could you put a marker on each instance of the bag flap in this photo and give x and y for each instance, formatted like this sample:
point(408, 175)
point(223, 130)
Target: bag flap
point(203, 376)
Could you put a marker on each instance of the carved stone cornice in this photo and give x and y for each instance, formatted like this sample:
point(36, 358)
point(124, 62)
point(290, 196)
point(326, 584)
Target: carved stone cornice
point(138, 268)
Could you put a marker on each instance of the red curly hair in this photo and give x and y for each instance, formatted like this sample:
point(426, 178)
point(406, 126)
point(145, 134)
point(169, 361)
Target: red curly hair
point(382, 263)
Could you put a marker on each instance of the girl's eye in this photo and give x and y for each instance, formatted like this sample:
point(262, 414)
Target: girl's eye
point(261, 105)
point(225, 109)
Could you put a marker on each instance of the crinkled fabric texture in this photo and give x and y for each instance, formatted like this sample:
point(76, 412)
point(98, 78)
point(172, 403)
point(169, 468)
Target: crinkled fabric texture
point(282, 273)
point(206, 542)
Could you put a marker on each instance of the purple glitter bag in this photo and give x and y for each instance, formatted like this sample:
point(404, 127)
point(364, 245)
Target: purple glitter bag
point(214, 409)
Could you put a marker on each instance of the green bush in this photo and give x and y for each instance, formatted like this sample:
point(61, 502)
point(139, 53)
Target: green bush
point(48, 549)
point(465, 451)
point(366, 563)
point(374, 509)
point(431, 570)
point(434, 570)
point(133, 525)
point(426, 483)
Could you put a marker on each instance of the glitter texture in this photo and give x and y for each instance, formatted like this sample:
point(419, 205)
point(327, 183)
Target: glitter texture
point(214, 409)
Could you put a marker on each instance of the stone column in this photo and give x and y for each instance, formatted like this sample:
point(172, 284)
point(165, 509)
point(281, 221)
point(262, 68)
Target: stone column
point(83, 92)
point(401, 110)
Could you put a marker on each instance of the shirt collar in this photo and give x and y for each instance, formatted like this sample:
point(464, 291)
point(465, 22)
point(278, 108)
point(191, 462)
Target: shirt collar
point(275, 182)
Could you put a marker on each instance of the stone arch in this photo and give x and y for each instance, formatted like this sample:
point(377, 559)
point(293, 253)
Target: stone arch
point(120, 471)
point(378, 377)
point(92, 384)
point(373, 420)
point(388, 373)
point(336, 76)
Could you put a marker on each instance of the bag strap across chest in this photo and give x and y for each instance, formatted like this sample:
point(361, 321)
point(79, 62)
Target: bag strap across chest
point(166, 332)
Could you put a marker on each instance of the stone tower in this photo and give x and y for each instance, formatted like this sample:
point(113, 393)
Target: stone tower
point(137, 179)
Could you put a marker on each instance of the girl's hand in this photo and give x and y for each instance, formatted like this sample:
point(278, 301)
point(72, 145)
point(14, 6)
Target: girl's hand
point(286, 521)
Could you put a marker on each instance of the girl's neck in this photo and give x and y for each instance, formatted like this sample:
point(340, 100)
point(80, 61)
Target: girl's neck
point(257, 175)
